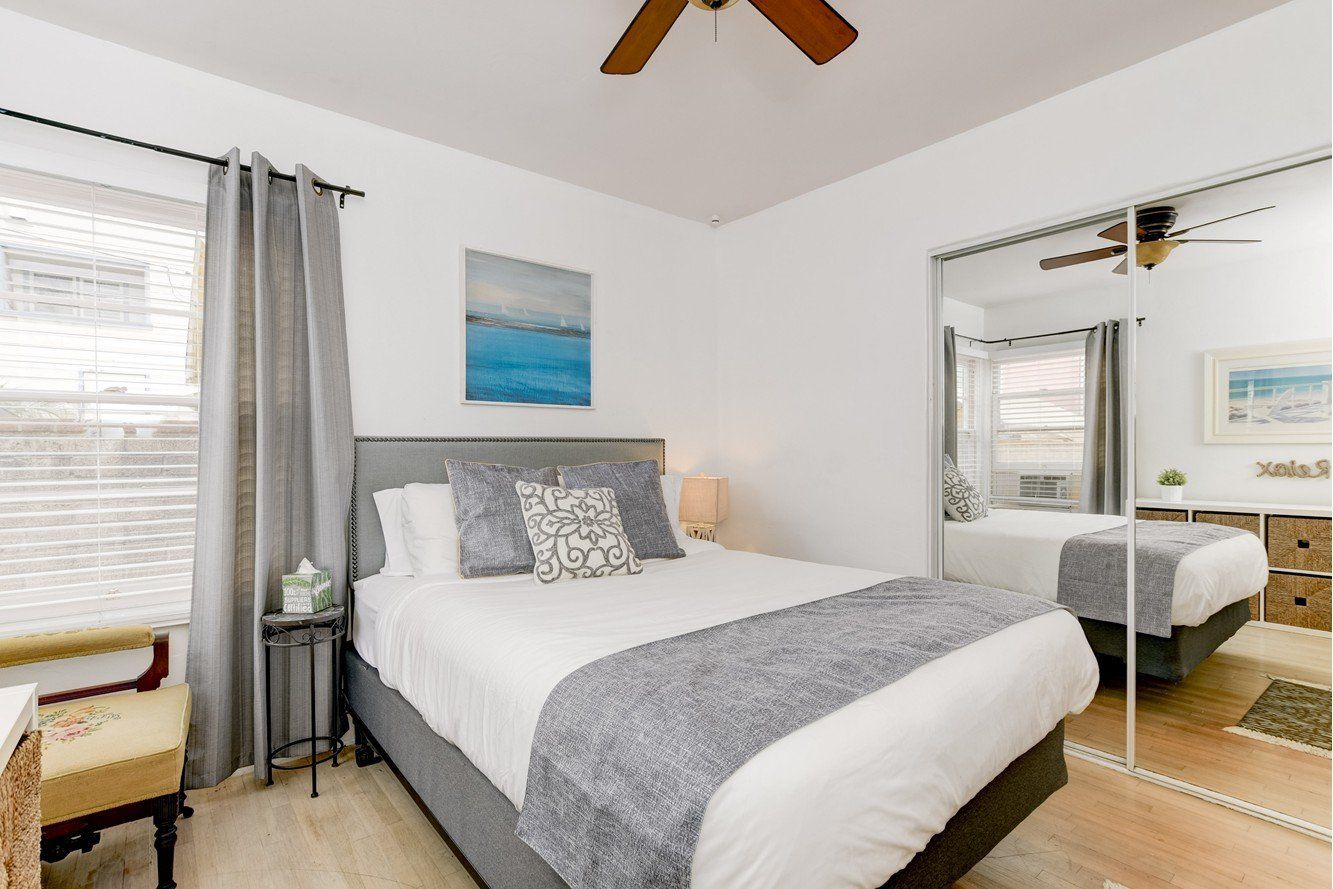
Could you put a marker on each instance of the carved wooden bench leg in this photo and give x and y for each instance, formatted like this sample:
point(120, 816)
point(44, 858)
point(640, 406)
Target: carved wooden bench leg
point(165, 810)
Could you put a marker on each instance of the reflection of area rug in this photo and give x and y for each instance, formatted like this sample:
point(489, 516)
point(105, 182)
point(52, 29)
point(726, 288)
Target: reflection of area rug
point(1109, 884)
point(1289, 713)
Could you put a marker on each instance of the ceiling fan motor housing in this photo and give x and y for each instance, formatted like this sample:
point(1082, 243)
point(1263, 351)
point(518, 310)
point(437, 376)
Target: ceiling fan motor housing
point(713, 5)
point(1155, 222)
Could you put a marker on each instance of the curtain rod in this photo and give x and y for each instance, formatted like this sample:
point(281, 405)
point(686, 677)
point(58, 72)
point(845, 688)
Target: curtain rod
point(1036, 336)
point(343, 190)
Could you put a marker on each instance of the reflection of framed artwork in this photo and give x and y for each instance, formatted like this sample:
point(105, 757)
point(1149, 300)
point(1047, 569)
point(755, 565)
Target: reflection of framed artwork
point(1269, 394)
point(527, 333)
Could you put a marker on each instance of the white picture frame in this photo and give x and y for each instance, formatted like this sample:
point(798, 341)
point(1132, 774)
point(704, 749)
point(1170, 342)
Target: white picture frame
point(465, 363)
point(1270, 394)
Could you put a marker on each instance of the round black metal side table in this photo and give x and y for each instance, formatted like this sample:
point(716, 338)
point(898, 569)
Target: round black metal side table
point(282, 630)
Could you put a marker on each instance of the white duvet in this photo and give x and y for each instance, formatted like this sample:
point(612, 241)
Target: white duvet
point(1019, 550)
point(844, 802)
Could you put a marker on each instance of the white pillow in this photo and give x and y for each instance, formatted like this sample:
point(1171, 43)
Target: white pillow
point(389, 504)
point(672, 483)
point(430, 530)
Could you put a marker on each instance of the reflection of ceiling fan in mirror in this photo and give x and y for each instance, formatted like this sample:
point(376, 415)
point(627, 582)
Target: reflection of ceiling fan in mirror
point(815, 27)
point(1155, 240)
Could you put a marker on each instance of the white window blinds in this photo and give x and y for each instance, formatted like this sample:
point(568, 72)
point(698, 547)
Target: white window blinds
point(100, 328)
point(1037, 428)
point(969, 370)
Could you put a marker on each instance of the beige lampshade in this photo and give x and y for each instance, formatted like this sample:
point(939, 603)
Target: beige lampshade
point(704, 499)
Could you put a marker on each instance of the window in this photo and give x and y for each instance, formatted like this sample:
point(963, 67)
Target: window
point(971, 425)
point(100, 328)
point(69, 285)
point(1037, 428)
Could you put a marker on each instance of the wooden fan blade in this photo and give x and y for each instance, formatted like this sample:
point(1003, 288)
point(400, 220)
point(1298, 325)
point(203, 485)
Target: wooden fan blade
point(642, 37)
point(1182, 231)
point(1218, 240)
point(1059, 262)
point(815, 27)
point(1123, 268)
point(1117, 233)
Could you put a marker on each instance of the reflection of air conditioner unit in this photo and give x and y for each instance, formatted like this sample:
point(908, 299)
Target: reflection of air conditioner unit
point(1044, 487)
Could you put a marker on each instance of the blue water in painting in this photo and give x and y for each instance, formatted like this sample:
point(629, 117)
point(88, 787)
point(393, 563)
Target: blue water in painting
point(1266, 380)
point(528, 366)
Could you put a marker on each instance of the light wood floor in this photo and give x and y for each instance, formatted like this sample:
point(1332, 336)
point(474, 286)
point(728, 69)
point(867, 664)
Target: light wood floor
point(364, 832)
point(1180, 724)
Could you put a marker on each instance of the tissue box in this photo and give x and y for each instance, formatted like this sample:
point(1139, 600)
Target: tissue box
point(306, 593)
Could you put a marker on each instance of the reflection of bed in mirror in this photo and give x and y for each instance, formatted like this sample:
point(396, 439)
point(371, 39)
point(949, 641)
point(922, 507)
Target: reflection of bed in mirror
point(1021, 550)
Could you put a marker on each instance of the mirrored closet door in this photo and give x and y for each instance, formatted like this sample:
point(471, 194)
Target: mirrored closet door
point(1231, 451)
point(1031, 340)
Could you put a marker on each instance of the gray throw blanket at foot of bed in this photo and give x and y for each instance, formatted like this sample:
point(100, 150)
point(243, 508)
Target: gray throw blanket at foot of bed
point(1092, 571)
point(629, 749)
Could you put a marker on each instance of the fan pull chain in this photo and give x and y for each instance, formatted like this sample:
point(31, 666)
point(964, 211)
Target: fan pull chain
point(715, 24)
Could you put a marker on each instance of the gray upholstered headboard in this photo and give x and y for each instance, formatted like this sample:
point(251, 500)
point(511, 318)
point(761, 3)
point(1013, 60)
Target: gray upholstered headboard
point(393, 462)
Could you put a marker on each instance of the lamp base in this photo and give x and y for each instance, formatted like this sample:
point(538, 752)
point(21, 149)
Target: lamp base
point(700, 530)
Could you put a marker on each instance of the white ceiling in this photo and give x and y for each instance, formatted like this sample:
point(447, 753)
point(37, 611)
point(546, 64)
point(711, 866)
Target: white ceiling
point(1302, 218)
point(729, 128)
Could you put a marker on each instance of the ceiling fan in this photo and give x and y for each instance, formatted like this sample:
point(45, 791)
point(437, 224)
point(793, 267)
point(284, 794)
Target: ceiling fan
point(1155, 240)
point(815, 27)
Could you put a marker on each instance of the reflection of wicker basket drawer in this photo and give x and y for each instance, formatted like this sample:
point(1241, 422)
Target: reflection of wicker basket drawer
point(1231, 520)
point(1299, 601)
point(1298, 542)
point(1161, 515)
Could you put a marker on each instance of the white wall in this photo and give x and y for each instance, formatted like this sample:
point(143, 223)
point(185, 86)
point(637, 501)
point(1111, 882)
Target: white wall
point(1063, 312)
point(1284, 297)
point(964, 318)
point(654, 359)
point(823, 300)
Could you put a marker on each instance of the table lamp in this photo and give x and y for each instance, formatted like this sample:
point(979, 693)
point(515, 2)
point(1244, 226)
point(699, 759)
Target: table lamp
point(704, 504)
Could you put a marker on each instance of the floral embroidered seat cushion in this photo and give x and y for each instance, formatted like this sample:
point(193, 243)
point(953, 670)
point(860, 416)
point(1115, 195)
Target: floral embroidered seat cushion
point(99, 753)
point(575, 533)
point(962, 501)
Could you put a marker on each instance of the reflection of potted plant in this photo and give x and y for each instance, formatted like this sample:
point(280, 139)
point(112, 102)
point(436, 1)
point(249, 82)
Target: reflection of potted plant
point(1172, 483)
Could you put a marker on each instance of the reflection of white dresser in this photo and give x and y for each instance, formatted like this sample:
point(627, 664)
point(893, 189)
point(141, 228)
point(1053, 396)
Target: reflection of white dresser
point(1300, 575)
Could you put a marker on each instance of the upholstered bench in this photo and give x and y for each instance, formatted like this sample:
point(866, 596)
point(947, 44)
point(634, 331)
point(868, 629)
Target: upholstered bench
point(108, 758)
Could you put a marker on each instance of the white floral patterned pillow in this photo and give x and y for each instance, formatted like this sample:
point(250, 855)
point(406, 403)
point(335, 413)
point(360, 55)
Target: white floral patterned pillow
point(962, 502)
point(575, 533)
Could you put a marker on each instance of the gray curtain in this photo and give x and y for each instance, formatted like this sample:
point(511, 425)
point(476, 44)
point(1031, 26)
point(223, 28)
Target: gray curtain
point(275, 456)
point(950, 396)
point(1105, 422)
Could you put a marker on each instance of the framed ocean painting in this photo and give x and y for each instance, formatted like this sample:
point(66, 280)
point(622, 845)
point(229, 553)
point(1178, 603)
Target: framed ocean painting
point(527, 332)
point(1269, 394)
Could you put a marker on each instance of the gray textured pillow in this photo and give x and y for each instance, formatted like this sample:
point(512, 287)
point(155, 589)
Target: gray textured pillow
point(962, 502)
point(638, 490)
point(491, 536)
point(575, 534)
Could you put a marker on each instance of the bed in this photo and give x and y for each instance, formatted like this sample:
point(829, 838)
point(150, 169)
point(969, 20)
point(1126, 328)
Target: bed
point(1020, 550)
point(445, 679)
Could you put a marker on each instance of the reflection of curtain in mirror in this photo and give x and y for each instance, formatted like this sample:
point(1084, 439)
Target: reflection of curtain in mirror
point(1105, 422)
point(950, 397)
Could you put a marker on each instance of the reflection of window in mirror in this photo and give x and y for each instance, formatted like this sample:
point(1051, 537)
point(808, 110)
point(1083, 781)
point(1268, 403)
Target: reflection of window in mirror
point(1019, 335)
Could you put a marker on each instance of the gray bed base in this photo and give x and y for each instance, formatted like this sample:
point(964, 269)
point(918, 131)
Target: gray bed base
point(477, 820)
point(1170, 659)
point(470, 813)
